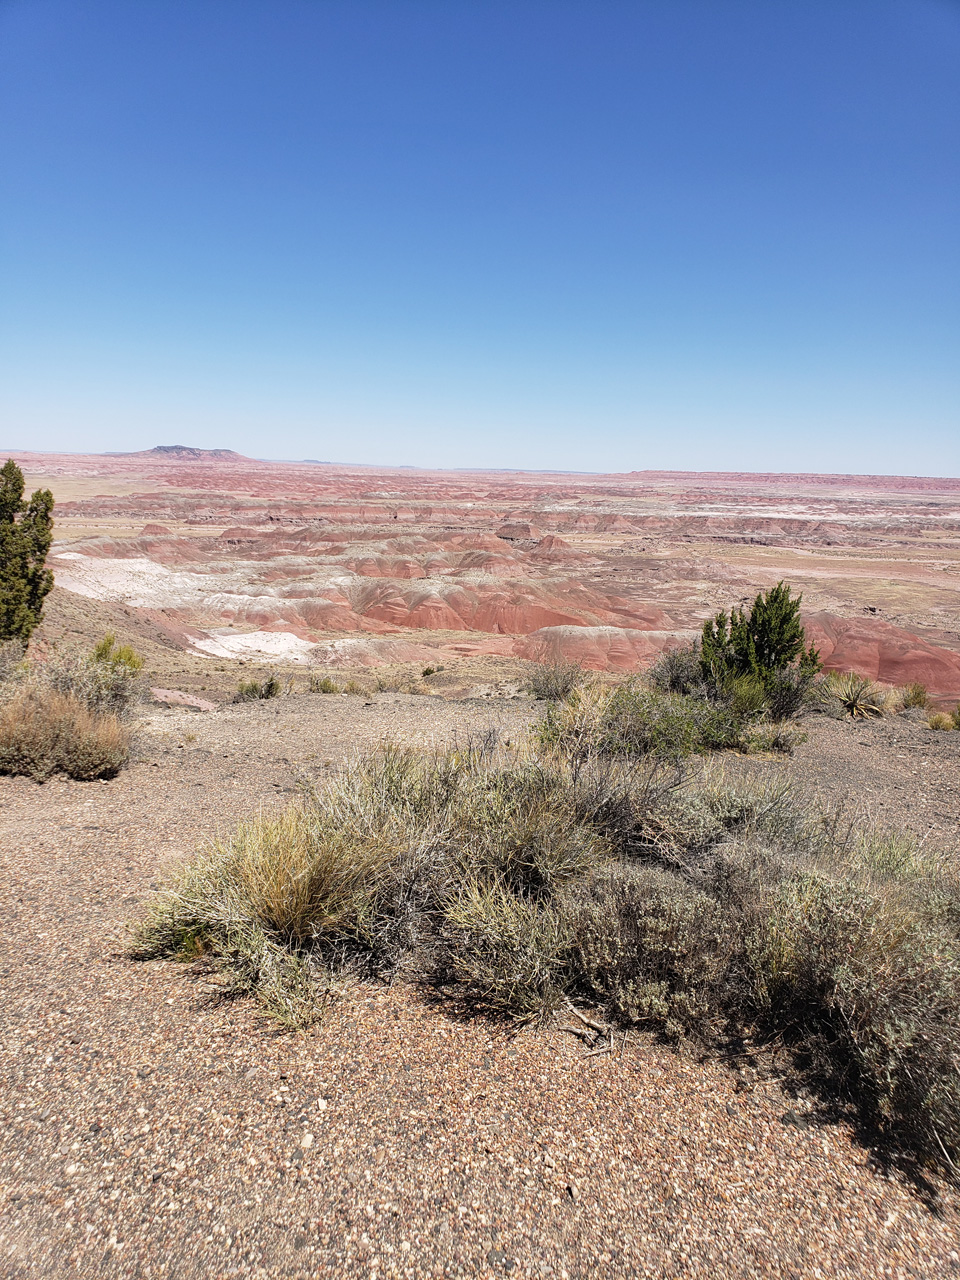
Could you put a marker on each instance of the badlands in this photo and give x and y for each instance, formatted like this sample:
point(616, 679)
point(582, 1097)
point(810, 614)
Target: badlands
point(209, 560)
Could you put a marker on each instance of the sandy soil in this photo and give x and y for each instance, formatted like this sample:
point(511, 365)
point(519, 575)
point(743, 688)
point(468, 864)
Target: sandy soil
point(151, 1128)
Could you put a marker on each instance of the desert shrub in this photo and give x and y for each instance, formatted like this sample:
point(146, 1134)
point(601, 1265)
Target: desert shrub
point(631, 720)
point(43, 732)
point(252, 690)
point(321, 684)
point(778, 693)
point(678, 670)
point(940, 720)
point(354, 686)
point(716, 910)
point(650, 948)
point(555, 681)
point(788, 691)
point(375, 864)
point(507, 950)
point(106, 680)
point(855, 695)
point(865, 975)
point(914, 695)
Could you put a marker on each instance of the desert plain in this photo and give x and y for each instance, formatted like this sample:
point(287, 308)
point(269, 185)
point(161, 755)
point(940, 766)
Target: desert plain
point(209, 559)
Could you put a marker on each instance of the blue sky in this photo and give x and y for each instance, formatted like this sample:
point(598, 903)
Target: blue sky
point(591, 236)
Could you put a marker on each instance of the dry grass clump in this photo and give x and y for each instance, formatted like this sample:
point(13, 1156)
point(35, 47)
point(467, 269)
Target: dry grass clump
point(253, 690)
point(317, 683)
point(517, 881)
point(941, 720)
point(914, 695)
point(43, 732)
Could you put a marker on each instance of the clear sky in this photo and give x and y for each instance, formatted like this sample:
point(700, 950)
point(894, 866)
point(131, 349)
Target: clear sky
point(576, 234)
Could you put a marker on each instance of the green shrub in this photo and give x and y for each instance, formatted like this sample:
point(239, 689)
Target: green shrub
point(322, 684)
point(251, 690)
point(106, 680)
point(555, 681)
point(914, 695)
point(761, 643)
point(43, 732)
point(26, 533)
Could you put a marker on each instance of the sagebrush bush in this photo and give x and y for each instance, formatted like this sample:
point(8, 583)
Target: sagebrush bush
point(43, 732)
point(555, 681)
point(517, 881)
point(632, 720)
point(678, 670)
point(650, 948)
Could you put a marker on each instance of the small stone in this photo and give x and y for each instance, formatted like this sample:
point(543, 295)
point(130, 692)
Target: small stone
point(306, 1141)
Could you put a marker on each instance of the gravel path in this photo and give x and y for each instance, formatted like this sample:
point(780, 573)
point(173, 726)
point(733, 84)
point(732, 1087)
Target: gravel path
point(153, 1129)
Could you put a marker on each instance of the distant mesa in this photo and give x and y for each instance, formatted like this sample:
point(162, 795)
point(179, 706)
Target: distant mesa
point(185, 451)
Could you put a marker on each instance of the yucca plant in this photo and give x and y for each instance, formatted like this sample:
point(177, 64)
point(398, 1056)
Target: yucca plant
point(858, 696)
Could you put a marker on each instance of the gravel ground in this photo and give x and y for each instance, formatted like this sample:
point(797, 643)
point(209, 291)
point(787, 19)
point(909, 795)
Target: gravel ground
point(154, 1129)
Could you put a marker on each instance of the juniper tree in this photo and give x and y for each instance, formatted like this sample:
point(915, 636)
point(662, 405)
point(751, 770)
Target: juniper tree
point(26, 531)
point(762, 643)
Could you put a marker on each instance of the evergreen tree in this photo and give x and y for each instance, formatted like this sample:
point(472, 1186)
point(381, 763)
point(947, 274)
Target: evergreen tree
point(762, 643)
point(26, 532)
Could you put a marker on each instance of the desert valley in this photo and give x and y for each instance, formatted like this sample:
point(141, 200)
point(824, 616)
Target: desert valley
point(209, 559)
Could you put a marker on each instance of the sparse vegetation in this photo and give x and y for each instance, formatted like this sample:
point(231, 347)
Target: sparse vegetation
point(26, 532)
point(518, 881)
point(106, 680)
point(940, 720)
point(43, 732)
point(555, 681)
point(914, 695)
point(65, 715)
point(321, 684)
point(855, 695)
point(251, 690)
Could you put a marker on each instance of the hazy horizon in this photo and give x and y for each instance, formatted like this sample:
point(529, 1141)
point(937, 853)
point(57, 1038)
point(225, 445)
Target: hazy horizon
point(531, 236)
